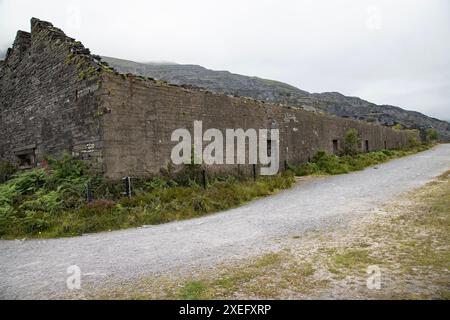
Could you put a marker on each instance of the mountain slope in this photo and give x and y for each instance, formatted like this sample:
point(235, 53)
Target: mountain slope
point(279, 92)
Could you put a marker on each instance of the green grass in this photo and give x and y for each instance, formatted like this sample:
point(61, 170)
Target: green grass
point(194, 290)
point(350, 258)
point(241, 278)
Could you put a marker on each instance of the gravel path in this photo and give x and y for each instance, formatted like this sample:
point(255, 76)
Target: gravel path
point(38, 268)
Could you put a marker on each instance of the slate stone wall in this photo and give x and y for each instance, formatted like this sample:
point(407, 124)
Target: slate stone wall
point(49, 97)
point(142, 114)
point(56, 97)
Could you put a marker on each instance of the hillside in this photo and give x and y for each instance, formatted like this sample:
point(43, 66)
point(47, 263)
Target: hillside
point(279, 92)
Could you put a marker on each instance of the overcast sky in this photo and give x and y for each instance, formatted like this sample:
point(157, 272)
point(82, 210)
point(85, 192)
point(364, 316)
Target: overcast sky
point(388, 52)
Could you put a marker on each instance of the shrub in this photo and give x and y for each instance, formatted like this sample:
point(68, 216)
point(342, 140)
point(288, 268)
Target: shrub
point(6, 210)
point(351, 142)
point(35, 222)
point(29, 182)
point(432, 135)
point(388, 153)
point(8, 192)
point(305, 169)
point(64, 169)
point(46, 202)
point(73, 192)
point(6, 170)
point(189, 175)
point(413, 141)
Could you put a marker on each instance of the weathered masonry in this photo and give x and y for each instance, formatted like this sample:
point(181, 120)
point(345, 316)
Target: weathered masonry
point(56, 96)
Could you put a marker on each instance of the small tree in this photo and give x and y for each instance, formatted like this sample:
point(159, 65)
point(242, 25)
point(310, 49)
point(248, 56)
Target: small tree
point(351, 142)
point(432, 135)
point(413, 138)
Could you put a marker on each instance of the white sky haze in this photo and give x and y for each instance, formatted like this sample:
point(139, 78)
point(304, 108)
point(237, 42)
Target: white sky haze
point(388, 52)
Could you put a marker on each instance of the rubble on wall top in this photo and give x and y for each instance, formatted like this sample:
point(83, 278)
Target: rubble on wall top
point(22, 38)
point(22, 35)
point(37, 25)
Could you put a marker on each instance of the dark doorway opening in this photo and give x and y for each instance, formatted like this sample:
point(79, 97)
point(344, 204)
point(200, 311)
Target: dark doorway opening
point(26, 159)
point(385, 145)
point(366, 146)
point(335, 146)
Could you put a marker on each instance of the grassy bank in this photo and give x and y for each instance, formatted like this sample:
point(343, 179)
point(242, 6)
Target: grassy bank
point(51, 202)
point(408, 240)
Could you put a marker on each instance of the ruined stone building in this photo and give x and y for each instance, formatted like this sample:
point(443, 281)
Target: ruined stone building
point(56, 96)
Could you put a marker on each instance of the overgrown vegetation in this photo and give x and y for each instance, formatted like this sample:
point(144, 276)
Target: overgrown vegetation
point(327, 164)
point(351, 142)
point(432, 135)
point(352, 159)
point(52, 202)
point(6, 171)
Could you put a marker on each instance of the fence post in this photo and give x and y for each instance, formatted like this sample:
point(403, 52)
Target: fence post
point(89, 196)
point(254, 172)
point(204, 179)
point(127, 185)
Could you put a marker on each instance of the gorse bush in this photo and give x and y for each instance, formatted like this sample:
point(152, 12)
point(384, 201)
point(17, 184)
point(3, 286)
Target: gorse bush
point(330, 164)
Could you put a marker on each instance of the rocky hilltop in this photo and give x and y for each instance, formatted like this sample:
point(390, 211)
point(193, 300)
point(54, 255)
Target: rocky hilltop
point(279, 92)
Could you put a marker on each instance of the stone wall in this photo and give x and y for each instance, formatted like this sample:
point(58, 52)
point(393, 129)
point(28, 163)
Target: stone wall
point(142, 115)
point(56, 96)
point(48, 102)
